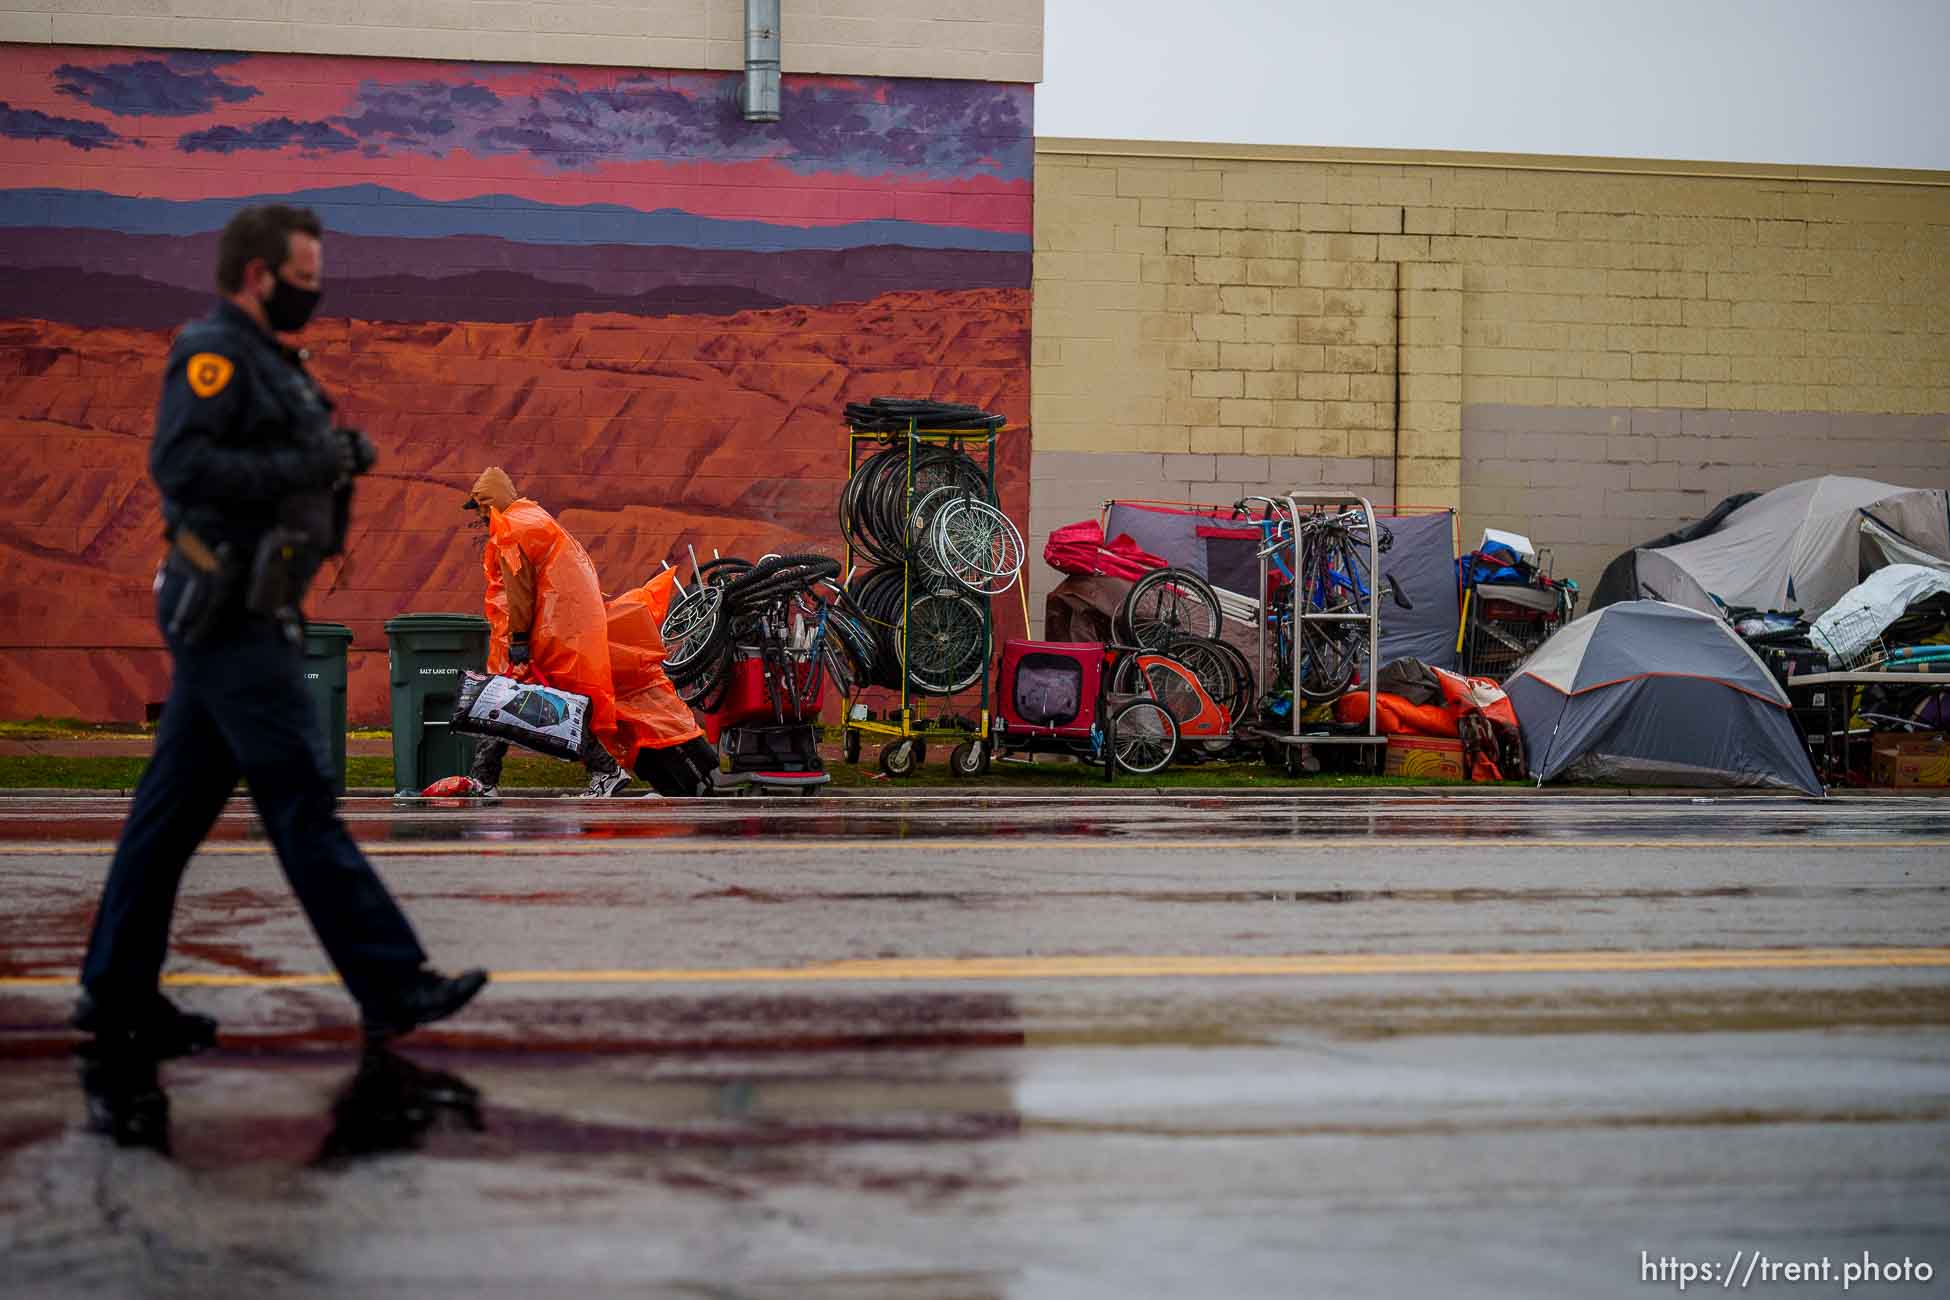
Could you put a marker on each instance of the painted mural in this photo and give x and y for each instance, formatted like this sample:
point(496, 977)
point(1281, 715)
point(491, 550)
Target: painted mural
point(649, 310)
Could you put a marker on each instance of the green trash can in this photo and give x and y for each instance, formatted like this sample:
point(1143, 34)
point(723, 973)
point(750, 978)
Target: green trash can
point(427, 653)
point(325, 647)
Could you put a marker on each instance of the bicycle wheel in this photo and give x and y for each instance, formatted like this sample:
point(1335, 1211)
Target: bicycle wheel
point(1144, 737)
point(1167, 603)
point(1212, 666)
point(1242, 676)
point(875, 596)
point(853, 642)
point(977, 546)
point(1346, 581)
point(947, 642)
point(920, 527)
point(693, 633)
point(1329, 654)
point(1160, 683)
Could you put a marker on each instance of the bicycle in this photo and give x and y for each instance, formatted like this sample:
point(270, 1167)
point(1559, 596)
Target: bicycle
point(1320, 657)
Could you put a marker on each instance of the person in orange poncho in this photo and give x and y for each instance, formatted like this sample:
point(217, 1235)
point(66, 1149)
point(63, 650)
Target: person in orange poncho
point(656, 732)
point(547, 622)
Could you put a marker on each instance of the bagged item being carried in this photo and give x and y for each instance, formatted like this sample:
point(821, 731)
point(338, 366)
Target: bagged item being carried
point(540, 718)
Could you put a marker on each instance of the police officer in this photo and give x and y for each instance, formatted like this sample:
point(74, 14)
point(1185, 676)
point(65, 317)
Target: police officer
point(255, 481)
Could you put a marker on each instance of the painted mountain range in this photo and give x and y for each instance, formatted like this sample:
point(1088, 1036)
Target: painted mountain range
point(381, 210)
point(104, 277)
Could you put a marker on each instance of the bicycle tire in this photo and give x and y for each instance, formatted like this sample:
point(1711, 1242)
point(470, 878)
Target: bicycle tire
point(1160, 683)
point(1328, 659)
point(877, 502)
point(876, 595)
point(1207, 660)
point(695, 633)
point(945, 639)
point(976, 545)
point(1244, 686)
point(1144, 737)
point(1166, 603)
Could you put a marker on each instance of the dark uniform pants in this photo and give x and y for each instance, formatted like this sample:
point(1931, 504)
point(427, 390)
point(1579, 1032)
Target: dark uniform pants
point(238, 707)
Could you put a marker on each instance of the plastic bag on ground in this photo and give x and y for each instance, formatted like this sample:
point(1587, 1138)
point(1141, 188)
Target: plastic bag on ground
point(454, 787)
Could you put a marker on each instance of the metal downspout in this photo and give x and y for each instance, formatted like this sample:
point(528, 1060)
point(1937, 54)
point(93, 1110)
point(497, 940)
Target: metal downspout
point(760, 99)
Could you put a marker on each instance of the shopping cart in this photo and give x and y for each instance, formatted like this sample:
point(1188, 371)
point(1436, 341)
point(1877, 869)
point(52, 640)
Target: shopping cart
point(750, 648)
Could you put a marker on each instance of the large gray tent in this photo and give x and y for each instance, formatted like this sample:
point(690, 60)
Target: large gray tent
point(1800, 546)
point(1649, 693)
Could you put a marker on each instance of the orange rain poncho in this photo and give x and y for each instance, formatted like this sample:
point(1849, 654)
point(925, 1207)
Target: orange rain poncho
point(539, 579)
point(649, 712)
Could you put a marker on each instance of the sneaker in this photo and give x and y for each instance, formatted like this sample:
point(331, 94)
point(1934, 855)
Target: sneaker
point(488, 792)
point(155, 1028)
point(604, 784)
point(427, 997)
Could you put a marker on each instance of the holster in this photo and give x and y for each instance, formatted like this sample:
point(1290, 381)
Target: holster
point(209, 586)
point(281, 572)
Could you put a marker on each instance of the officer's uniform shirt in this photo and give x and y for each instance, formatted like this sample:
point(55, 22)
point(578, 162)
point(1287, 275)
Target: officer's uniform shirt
point(242, 432)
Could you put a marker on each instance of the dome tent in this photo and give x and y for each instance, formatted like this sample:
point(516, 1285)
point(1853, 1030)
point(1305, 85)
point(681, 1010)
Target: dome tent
point(1649, 693)
point(1798, 547)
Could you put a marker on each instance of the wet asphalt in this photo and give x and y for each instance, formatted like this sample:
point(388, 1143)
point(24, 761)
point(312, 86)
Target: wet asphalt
point(974, 1046)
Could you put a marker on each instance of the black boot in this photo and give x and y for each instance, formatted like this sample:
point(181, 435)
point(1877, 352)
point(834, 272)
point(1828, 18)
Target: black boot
point(151, 1027)
point(428, 996)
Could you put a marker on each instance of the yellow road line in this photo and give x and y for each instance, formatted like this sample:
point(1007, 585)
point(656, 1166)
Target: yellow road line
point(1137, 967)
point(1285, 844)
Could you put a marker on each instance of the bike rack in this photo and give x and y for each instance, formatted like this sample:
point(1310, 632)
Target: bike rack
point(1294, 735)
point(912, 721)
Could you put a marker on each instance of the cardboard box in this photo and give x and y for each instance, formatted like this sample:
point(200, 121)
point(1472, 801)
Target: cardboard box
point(1910, 759)
point(1429, 757)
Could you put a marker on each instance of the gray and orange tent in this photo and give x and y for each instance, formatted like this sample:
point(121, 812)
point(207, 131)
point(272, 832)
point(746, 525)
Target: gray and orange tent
point(1649, 693)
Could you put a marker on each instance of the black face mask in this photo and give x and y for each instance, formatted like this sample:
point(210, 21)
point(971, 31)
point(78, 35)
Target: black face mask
point(289, 307)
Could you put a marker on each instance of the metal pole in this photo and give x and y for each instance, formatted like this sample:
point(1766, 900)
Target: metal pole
point(1299, 634)
point(1374, 609)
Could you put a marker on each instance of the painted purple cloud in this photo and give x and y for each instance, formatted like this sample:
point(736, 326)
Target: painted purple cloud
point(418, 114)
point(945, 130)
point(32, 124)
point(183, 86)
point(273, 133)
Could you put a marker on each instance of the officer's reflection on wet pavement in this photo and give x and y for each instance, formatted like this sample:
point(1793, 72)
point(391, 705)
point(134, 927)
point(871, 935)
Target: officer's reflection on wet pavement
point(388, 1104)
point(125, 1096)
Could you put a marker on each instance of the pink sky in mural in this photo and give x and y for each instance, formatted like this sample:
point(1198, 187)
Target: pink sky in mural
point(315, 90)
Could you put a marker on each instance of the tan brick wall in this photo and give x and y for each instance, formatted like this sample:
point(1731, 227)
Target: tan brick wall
point(1233, 300)
point(985, 40)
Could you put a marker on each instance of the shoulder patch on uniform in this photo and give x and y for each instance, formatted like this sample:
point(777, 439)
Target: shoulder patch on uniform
point(208, 372)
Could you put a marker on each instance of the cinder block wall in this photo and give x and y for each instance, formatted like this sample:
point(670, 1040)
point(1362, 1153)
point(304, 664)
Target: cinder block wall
point(1591, 351)
point(995, 40)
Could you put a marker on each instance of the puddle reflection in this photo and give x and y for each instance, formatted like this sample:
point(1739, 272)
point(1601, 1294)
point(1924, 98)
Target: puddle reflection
point(390, 1104)
point(891, 820)
point(125, 1097)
